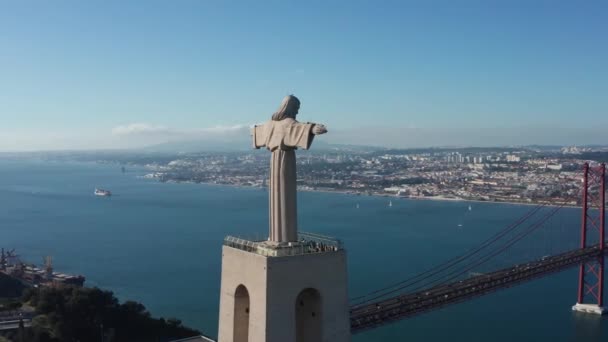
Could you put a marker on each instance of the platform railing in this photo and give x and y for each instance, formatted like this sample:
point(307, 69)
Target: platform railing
point(308, 243)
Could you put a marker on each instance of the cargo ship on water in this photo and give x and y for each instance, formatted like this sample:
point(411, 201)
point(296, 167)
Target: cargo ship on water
point(102, 192)
point(32, 275)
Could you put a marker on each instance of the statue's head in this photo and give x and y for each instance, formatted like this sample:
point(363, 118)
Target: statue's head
point(288, 109)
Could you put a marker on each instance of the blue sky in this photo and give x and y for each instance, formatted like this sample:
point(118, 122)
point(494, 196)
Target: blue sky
point(114, 74)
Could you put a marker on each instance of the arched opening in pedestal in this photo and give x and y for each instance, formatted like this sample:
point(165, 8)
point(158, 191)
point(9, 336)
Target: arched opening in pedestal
point(241, 314)
point(309, 316)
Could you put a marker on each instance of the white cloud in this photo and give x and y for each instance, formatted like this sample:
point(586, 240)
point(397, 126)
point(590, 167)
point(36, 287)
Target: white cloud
point(139, 128)
point(146, 129)
point(143, 134)
point(224, 129)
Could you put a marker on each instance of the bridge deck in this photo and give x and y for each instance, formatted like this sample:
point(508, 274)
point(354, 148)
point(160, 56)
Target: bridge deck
point(368, 316)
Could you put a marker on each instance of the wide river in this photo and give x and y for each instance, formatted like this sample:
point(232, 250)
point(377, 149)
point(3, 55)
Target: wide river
point(160, 244)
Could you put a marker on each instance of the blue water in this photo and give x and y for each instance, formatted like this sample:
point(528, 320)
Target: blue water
point(160, 244)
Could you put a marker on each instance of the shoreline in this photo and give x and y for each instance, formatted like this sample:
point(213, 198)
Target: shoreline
point(355, 194)
point(146, 170)
point(442, 199)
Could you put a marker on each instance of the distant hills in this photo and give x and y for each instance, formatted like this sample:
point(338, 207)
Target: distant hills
point(240, 145)
point(193, 146)
point(243, 144)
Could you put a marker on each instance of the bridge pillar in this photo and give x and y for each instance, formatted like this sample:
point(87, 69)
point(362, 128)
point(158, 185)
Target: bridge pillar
point(591, 273)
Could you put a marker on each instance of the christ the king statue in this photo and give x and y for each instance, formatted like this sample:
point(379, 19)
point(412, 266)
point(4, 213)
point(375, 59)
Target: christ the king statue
point(282, 135)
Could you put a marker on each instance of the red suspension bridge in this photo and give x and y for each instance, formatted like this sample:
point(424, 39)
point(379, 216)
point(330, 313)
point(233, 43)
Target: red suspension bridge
point(450, 283)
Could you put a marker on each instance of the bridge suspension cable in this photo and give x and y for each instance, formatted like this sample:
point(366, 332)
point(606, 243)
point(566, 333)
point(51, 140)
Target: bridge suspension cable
point(476, 263)
point(430, 273)
point(374, 295)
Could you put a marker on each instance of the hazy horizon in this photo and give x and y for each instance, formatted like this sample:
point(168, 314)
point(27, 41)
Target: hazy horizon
point(242, 144)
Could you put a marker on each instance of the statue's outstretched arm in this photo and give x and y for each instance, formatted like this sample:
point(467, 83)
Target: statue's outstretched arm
point(318, 129)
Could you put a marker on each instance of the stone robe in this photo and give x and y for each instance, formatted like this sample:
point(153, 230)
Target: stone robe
point(282, 138)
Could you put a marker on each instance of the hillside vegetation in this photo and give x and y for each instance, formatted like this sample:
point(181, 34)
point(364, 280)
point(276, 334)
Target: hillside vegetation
point(89, 314)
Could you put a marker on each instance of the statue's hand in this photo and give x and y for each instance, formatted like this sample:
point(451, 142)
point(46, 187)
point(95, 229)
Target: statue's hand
point(319, 129)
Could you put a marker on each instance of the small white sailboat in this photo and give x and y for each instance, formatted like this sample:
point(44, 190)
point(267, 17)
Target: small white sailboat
point(390, 203)
point(357, 205)
point(470, 208)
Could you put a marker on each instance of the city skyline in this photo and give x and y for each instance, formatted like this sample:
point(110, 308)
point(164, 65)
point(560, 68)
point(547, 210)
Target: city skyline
point(125, 75)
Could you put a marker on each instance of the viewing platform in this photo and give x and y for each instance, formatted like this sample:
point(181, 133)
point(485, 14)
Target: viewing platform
point(308, 243)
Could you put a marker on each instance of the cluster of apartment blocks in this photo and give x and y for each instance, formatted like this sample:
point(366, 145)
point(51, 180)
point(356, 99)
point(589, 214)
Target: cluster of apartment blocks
point(504, 176)
point(456, 157)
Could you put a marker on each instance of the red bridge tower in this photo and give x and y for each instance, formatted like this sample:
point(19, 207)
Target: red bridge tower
point(591, 273)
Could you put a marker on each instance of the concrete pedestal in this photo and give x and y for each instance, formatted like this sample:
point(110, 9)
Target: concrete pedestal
point(295, 298)
point(590, 308)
